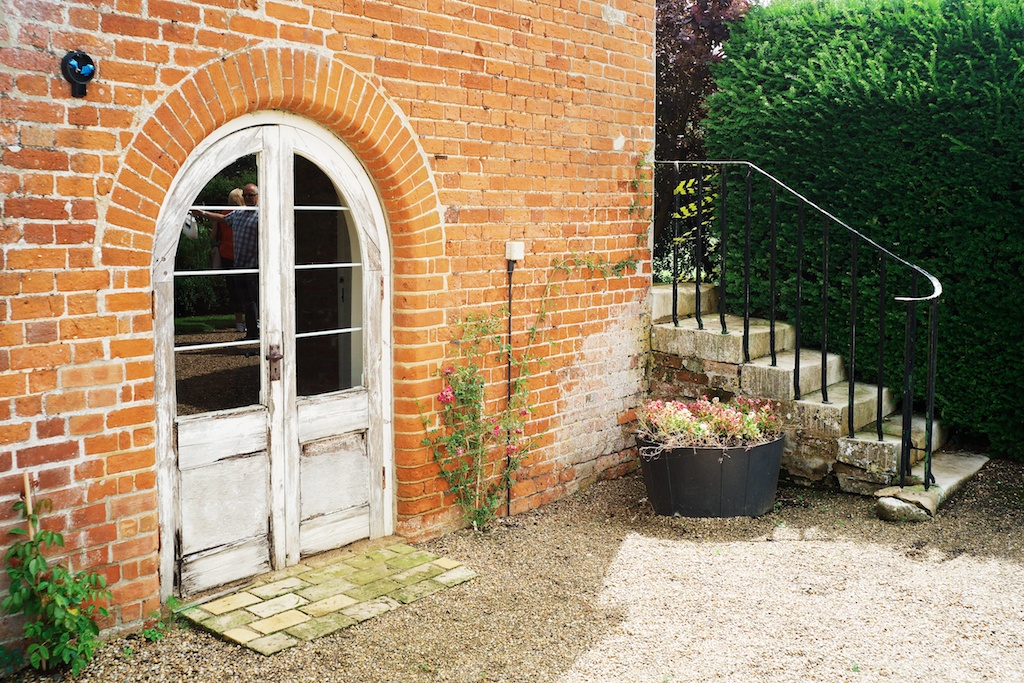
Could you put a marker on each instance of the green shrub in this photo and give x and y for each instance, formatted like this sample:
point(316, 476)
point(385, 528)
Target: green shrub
point(904, 118)
point(59, 604)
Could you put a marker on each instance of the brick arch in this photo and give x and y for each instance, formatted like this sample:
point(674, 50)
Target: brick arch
point(324, 90)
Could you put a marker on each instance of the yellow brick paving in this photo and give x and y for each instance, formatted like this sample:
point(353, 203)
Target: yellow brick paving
point(325, 594)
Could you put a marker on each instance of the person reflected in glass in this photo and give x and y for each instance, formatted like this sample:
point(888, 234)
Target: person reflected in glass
point(223, 239)
point(244, 225)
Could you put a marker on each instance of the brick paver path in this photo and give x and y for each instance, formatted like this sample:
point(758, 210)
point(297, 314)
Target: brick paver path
point(326, 593)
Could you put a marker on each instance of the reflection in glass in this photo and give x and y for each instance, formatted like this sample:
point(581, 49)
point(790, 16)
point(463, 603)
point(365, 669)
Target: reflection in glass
point(326, 363)
point(217, 371)
point(215, 378)
point(328, 286)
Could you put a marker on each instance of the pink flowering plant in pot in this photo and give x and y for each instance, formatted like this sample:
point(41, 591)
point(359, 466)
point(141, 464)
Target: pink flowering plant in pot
point(479, 444)
point(707, 423)
point(706, 458)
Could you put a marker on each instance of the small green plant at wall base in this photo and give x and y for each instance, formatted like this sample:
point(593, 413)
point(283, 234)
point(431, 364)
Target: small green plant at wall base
point(59, 604)
point(478, 453)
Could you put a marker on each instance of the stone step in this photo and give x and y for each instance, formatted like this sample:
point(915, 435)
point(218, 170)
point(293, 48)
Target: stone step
point(709, 343)
point(914, 503)
point(686, 305)
point(814, 415)
point(872, 463)
point(760, 378)
point(893, 426)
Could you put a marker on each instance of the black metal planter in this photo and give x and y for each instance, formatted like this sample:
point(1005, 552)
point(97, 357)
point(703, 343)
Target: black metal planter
point(712, 482)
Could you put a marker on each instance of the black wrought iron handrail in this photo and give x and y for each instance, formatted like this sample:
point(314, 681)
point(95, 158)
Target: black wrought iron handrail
point(857, 239)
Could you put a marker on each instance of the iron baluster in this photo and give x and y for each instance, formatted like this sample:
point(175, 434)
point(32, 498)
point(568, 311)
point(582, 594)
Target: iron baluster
point(881, 345)
point(698, 257)
point(675, 246)
point(824, 314)
point(908, 384)
point(721, 272)
point(746, 270)
point(771, 278)
point(799, 295)
point(853, 330)
point(933, 350)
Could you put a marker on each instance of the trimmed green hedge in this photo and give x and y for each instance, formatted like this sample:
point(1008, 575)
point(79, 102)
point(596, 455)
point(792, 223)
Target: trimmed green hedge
point(905, 118)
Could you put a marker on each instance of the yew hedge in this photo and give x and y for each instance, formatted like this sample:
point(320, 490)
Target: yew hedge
point(905, 118)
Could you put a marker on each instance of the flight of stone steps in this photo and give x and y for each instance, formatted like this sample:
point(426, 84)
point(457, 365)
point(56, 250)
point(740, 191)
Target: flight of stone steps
point(689, 362)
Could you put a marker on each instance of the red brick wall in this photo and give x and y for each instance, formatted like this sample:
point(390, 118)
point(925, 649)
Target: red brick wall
point(479, 121)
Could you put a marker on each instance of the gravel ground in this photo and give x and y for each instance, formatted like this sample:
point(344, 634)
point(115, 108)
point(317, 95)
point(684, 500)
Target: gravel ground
point(597, 588)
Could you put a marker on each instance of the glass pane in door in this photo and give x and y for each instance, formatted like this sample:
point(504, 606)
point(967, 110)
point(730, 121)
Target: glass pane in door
point(216, 367)
point(328, 286)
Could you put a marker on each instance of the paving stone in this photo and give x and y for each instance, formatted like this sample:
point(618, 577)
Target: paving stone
point(327, 589)
point(329, 573)
point(370, 559)
point(280, 622)
point(445, 563)
point(416, 591)
point(417, 574)
point(279, 574)
point(402, 548)
point(279, 604)
point(411, 559)
point(229, 620)
point(367, 610)
point(196, 614)
point(373, 590)
point(241, 634)
point(230, 602)
point(370, 574)
point(331, 604)
point(272, 590)
point(268, 645)
point(455, 576)
point(321, 626)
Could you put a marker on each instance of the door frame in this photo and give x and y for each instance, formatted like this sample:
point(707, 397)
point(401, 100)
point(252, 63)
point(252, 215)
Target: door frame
point(363, 199)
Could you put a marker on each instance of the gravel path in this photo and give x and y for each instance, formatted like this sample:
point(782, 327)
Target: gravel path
point(596, 588)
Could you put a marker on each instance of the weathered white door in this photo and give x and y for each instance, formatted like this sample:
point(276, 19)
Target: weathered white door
point(280, 435)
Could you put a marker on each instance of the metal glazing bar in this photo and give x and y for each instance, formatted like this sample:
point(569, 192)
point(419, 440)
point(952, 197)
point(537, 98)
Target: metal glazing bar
point(721, 267)
point(933, 349)
point(773, 225)
point(675, 247)
point(746, 268)
point(853, 332)
point(799, 295)
point(880, 382)
point(824, 312)
point(699, 245)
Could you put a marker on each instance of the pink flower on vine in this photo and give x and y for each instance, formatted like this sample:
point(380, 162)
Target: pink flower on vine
point(510, 449)
point(497, 430)
point(446, 396)
point(448, 370)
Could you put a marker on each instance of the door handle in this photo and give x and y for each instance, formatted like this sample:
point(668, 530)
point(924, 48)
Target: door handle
point(274, 355)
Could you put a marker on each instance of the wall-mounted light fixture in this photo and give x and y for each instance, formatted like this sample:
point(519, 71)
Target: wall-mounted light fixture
point(78, 69)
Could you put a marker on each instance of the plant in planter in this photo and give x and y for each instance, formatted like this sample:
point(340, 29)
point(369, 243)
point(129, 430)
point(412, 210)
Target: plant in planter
point(706, 458)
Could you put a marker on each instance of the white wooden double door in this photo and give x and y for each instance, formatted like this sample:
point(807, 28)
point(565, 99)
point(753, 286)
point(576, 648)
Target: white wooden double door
point(299, 464)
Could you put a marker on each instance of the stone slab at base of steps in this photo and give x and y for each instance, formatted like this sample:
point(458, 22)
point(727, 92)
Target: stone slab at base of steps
point(914, 503)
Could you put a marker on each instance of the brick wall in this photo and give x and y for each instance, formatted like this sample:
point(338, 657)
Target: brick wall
point(479, 121)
